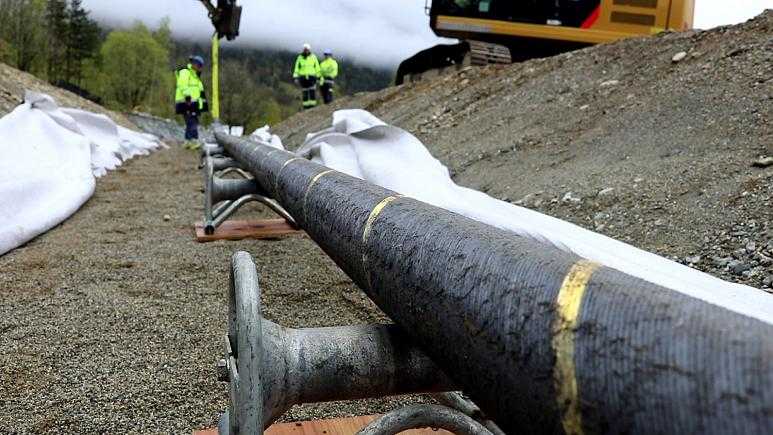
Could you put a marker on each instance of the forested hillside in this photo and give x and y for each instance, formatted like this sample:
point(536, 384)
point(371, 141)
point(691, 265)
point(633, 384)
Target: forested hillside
point(132, 68)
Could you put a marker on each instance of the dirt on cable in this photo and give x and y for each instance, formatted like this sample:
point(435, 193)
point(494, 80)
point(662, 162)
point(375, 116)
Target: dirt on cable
point(112, 322)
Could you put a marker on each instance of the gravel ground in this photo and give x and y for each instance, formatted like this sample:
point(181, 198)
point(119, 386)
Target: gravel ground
point(112, 322)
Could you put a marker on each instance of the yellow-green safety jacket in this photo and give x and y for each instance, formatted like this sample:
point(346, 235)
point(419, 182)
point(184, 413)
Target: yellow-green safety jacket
point(329, 69)
point(306, 66)
point(189, 85)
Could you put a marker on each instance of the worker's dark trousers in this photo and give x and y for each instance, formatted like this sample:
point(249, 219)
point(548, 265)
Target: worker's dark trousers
point(191, 126)
point(309, 91)
point(327, 91)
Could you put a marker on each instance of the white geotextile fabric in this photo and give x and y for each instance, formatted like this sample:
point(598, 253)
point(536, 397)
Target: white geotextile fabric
point(363, 146)
point(49, 158)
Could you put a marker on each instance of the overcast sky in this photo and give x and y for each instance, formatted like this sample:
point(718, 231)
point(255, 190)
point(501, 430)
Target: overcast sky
point(380, 32)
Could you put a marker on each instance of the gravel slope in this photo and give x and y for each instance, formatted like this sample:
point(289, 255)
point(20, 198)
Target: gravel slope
point(618, 138)
point(13, 83)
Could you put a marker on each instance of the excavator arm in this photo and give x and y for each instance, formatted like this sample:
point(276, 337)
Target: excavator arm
point(226, 16)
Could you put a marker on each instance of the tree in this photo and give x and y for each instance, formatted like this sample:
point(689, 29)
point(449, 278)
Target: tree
point(21, 24)
point(163, 35)
point(270, 113)
point(83, 39)
point(56, 24)
point(134, 65)
point(238, 102)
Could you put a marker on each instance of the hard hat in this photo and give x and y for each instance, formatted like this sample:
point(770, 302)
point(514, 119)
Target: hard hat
point(197, 59)
point(328, 51)
point(307, 46)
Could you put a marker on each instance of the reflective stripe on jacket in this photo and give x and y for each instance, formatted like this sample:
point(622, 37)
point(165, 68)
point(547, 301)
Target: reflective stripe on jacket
point(189, 85)
point(306, 66)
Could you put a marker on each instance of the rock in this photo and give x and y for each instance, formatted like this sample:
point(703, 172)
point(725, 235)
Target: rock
point(763, 162)
point(695, 259)
point(609, 83)
point(569, 197)
point(605, 192)
point(167, 218)
point(768, 281)
point(751, 247)
point(721, 261)
point(738, 267)
point(763, 259)
point(525, 199)
point(678, 57)
point(584, 107)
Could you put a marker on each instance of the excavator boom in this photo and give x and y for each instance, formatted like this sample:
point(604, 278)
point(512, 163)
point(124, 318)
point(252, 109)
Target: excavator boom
point(226, 17)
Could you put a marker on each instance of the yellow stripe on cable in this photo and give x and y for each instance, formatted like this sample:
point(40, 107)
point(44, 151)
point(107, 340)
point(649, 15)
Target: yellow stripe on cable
point(369, 228)
point(308, 189)
point(279, 174)
point(568, 307)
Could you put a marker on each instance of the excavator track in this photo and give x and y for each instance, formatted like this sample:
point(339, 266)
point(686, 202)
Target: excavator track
point(484, 53)
point(441, 59)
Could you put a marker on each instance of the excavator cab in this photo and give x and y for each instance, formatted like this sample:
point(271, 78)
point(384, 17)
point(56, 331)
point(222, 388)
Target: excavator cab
point(226, 16)
point(504, 31)
point(570, 13)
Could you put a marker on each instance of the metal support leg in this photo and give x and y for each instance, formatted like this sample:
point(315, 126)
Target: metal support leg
point(223, 197)
point(462, 404)
point(225, 210)
point(419, 416)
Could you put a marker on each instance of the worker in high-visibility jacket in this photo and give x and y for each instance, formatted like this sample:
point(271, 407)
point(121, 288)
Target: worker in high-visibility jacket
point(306, 74)
point(329, 69)
point(190, 98)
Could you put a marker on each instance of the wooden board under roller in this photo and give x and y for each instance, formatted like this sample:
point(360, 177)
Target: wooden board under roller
point(335, 426)
point(240, 230)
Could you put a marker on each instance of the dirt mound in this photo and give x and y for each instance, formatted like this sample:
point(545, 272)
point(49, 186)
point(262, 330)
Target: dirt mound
point(651, 140)
point(13, 83)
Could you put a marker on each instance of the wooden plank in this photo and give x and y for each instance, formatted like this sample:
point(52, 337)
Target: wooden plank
point(335, 426)
point(239, 230)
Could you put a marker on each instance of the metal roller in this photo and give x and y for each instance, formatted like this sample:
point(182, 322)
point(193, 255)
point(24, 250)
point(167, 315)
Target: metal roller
point(271, 368)
point(224, 196)
point(543, 341)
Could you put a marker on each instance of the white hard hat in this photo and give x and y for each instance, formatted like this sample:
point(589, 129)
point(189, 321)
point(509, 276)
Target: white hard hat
point(328, 51)
point(307, 46)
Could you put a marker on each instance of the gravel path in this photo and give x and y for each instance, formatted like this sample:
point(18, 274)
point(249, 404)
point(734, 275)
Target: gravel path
point(112, 322)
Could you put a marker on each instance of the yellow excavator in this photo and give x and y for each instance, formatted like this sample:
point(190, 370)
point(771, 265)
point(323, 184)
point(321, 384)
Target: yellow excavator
point(505, 31)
